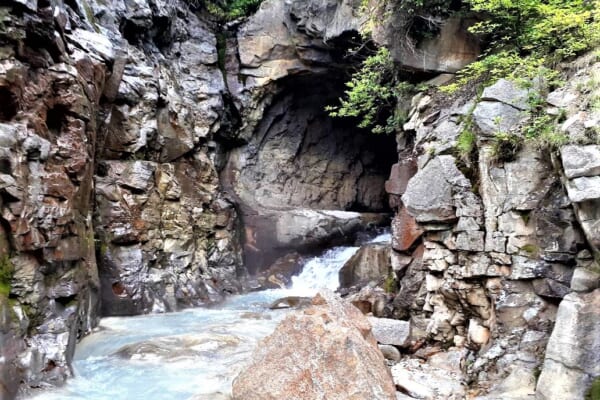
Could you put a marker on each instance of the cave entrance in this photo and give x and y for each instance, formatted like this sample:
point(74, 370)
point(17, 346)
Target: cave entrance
point(300, 165)
point(301, 157)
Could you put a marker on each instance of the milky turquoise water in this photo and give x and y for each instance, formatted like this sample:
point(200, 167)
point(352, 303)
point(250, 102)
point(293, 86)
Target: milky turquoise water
point(192, 354)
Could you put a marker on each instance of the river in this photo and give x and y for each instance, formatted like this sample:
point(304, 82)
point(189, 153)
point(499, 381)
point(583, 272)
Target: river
point(191, 354)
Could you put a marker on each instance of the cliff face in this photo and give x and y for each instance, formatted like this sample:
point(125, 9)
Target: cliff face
point(117, 119)
point(487, 246)
point(151, 159)
point(110, 193)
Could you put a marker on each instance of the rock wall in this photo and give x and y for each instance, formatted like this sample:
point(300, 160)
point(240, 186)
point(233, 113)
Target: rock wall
point(486, 246)
point(50, 286)
point(110, 193)
point(116, 121)
point(298, 166)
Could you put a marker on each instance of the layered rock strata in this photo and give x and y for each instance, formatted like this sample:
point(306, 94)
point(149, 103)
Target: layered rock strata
point(486, 247)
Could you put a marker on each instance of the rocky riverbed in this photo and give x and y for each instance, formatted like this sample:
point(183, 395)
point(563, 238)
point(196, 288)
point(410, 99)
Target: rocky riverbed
point(192, 354)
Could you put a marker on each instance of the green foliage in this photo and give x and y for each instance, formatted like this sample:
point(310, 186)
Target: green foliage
point(506, 146)
point(465, 143)
point(546, 135)
point(504, 64)
point(593, 392)
point(6, 273)
point(528, 36)
point(221, 51)
point(429, 7)
point(391, 284)
point(372, 93)
point(560, 28)
point(525, 216)
point(228, 10)
point(530, 249)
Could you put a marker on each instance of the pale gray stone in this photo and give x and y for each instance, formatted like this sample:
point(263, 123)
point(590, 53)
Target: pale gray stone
point(493, 117)
point(580, 160)
point(390, 331)
point(584, 188)
point(390, 352)
point(507, 92)
point(573, 352)
point(429, 194)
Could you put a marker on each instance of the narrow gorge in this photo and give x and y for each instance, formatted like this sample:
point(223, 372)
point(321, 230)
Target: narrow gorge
point(171, 176)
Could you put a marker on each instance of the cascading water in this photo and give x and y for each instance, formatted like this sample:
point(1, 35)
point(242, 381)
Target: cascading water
point(192, 354)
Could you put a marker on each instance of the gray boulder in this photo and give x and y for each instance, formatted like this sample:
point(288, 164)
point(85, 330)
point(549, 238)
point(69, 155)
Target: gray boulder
point(371, 263)
point(429, 194)
point(507, 92)
point(573, 352)
point(584, 188)
point(580, 160)
point(492, 117)
point(390, 331)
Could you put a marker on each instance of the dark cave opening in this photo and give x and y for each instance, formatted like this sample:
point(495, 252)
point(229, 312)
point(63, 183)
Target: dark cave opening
point(9, 107)
point(306, 181)
point(299, 156)
point(55, 119)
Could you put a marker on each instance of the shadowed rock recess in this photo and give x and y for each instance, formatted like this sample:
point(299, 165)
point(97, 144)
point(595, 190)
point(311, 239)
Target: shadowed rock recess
point(153, 159)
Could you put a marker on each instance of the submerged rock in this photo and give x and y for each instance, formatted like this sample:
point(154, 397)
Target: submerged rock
point(177, 347)
point(290, 302)
point(326, 352)
point(279, 274)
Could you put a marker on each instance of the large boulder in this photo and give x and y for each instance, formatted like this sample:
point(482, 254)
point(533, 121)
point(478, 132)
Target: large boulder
point(271, 234)
point(326, 352)
point(370, 263)
point(573, 352)
point(429, 196)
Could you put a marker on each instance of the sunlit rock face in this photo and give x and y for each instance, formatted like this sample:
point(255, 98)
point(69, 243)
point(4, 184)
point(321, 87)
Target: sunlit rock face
point(338, 354)
point(496, 252)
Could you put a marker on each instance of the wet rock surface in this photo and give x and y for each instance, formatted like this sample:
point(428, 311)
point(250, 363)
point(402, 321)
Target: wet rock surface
point(109, 188)
point(370, 263)
point(141, 159)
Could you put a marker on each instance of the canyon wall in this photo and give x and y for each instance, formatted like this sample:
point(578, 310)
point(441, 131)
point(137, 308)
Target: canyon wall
point(110, 201)
point(153, 159)
point(495, 250)
point(135, 152)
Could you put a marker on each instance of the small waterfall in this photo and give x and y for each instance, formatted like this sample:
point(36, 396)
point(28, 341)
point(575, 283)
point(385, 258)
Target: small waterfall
point(323, 271)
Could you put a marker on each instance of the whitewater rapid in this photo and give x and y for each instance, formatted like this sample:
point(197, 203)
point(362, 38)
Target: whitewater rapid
point(191, 354)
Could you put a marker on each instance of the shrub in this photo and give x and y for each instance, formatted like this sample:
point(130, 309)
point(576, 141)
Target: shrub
point(465, 143)
point(228, 10)
point(372, 94)
point(6, 273)
point(506, 146)
point(593, 392)
point(528, 36)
